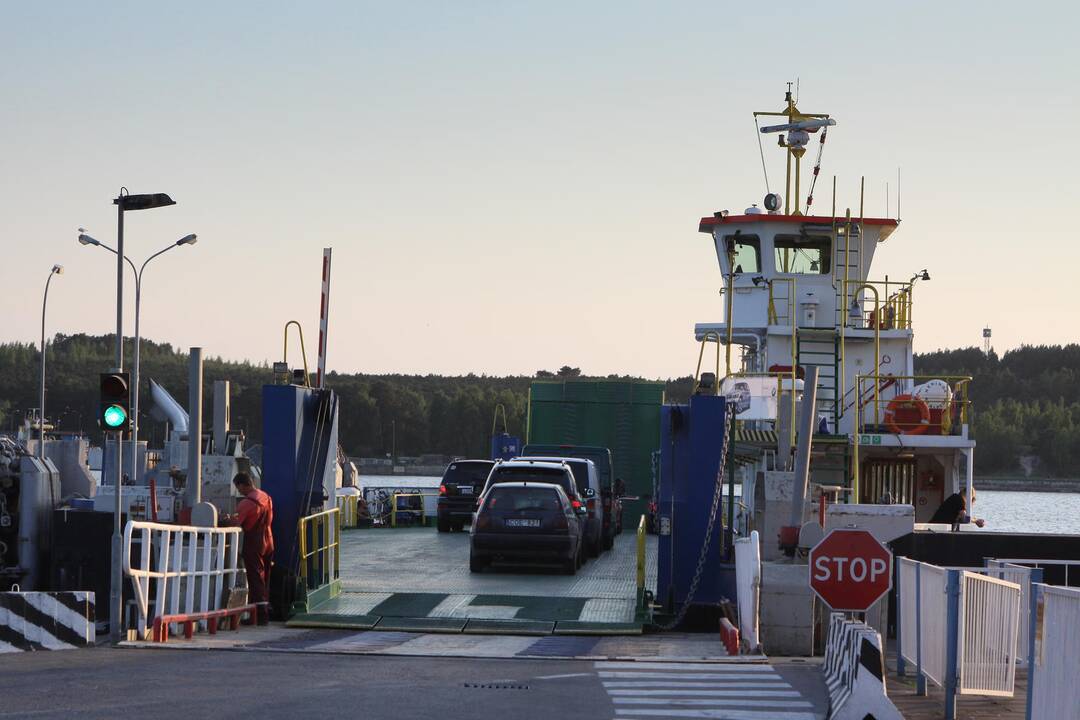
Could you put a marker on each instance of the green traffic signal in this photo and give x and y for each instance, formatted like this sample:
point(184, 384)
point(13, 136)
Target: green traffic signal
point(115, 416)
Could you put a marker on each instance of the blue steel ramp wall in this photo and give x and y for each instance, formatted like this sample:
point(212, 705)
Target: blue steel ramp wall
point(295, 481)
point(690, 449)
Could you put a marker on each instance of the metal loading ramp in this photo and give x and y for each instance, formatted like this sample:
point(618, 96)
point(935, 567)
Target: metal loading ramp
point(418, 580)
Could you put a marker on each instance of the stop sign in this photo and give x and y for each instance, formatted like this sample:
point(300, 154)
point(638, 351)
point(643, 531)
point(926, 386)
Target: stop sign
point(850, 570)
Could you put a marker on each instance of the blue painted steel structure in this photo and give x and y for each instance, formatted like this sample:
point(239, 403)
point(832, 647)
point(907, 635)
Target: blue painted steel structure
point(691, 441)
point(300, 431)
point(505, 446)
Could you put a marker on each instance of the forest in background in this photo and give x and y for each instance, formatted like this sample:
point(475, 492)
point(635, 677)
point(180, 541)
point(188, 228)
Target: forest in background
point(1026, 403)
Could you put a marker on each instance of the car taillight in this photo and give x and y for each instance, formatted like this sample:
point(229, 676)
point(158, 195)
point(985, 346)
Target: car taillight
point(442, 489)
point(483, 521)
point(591, 504)
point(607, 503)
point(575, 504)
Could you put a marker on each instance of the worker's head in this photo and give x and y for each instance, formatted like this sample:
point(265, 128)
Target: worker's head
point(243, 483)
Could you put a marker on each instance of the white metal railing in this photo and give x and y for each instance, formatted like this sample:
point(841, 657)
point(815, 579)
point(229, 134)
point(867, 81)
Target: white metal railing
point(959, 627)
point(1023, 576)
point(1054, 676)
point(932, 609)
point(908, 617)
point(178, 569)
point(986, 643)
point(1069, 568)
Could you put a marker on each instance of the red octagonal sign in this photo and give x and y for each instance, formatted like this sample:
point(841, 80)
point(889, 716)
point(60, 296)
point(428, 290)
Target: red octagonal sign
point(850, 570)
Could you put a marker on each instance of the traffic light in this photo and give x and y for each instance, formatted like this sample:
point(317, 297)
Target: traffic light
point(114, 414)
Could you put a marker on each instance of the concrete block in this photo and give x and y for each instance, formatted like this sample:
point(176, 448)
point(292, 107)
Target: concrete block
point(786, 609)
point(884, 522)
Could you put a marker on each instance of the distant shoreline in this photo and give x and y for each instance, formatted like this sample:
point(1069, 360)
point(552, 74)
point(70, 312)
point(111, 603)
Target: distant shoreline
point(1026, 484)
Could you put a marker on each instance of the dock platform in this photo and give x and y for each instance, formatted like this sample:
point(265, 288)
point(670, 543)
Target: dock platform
point(970, 707)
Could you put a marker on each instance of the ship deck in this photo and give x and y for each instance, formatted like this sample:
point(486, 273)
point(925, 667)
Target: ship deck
point(417, 579)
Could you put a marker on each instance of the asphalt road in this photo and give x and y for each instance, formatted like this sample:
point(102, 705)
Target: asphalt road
point(161, 684)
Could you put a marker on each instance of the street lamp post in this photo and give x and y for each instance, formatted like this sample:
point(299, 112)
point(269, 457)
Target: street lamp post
point(186, 240)
point(56, 270)
point(124, 202)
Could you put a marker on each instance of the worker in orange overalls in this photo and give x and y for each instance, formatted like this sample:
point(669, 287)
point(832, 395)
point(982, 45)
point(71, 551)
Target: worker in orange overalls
point(254, 514)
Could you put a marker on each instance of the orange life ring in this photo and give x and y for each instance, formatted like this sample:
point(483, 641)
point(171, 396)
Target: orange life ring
point(900, 415)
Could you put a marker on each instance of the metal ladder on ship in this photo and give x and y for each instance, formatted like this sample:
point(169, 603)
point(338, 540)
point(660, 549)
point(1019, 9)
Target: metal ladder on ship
point(820, 348)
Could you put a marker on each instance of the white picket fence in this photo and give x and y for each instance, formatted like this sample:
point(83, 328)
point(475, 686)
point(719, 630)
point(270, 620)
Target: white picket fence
point(179, 569)
point(1054, 676)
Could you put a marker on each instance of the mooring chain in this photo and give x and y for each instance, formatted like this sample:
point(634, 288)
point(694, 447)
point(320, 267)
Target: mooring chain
point(718, 492)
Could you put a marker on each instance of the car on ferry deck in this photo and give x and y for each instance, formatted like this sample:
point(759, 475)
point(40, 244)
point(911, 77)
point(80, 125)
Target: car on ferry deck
point(527, 521)
point(462, 483)
point(601, 456)
point(587, 481)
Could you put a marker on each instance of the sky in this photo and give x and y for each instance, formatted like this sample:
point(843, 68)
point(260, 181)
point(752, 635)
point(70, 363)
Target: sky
point(511, 186)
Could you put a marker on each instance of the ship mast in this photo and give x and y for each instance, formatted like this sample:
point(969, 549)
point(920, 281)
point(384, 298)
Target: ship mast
point(798, 128)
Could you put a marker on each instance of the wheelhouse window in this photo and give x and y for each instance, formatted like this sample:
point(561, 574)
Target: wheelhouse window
point(803, 254)
point(747, 253)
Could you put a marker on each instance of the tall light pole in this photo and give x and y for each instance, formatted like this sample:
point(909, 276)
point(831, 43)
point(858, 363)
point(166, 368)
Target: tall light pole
point(124, 202)
point(56, 270)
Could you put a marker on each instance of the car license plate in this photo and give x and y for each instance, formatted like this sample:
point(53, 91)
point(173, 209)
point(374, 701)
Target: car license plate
point(465, 489)
point(522, 522)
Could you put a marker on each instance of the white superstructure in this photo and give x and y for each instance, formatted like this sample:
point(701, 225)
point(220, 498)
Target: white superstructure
point(800, 291)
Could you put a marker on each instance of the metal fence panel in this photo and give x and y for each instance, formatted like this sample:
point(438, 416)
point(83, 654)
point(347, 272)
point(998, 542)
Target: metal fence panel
point(178, 569)
point(933, 608)
point(988, 632)
point(1055, 679)
point(907, 608)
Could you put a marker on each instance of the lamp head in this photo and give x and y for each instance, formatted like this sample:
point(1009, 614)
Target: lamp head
point(925, 275)
point(58, 269)
point(85, 239)
point(187, 240)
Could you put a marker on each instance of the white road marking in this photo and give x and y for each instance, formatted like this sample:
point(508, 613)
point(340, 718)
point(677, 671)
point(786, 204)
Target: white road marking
point(740, 692)
point(683, 676)
point(718, 714)
point(677, 666)
point(560, 677)
point(725, 683)
point(715, 702)
point(700, 690)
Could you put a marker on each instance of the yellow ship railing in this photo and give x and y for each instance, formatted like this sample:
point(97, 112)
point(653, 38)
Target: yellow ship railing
point(954, 412)
point(320, 540)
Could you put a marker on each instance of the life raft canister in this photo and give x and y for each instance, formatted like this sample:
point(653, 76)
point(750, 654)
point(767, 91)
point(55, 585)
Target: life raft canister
point(907, 415)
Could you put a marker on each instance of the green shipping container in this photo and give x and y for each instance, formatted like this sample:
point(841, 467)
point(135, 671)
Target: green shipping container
point(621, 415)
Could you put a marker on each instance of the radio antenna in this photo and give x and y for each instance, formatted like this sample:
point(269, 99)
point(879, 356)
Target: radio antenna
point(898, 194)
point(886, 198)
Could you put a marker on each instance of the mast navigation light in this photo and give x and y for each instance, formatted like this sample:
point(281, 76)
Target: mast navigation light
point(773, 202)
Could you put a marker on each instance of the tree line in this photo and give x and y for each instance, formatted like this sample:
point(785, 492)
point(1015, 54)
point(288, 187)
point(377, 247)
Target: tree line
point(406, 415)
point(1025, 403)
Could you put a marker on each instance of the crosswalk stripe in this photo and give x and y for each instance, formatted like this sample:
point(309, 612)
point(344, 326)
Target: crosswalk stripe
point(714, 702)
point(676, 676)
point(711, 667)
point(740, 692)
point(754, 683)
point(716, 714)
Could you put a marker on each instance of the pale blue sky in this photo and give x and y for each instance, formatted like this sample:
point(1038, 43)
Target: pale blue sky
point(513, 186)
